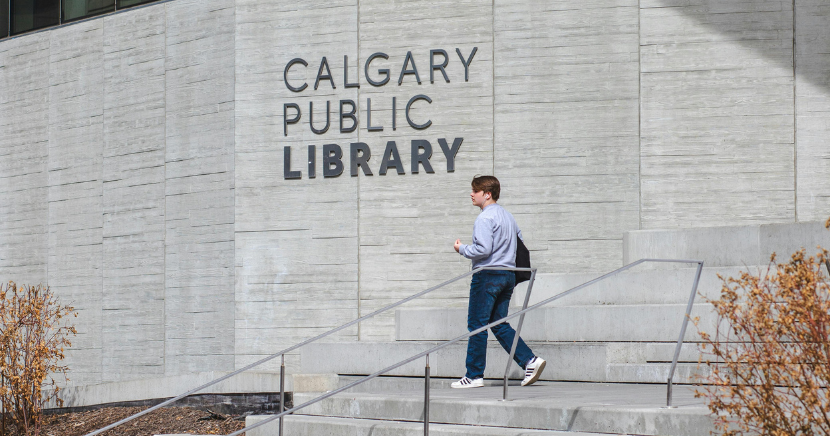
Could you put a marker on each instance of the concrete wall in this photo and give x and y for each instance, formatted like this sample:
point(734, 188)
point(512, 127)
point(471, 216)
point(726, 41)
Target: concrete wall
point(141, 156)
point(717, 113)
point(118, 184)
point(812, 108)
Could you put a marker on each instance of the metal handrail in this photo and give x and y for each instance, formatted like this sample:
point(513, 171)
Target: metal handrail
point(308, 341)
point(521, 314)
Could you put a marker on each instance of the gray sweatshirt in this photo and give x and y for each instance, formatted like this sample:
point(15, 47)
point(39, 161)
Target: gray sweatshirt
point(494, 239)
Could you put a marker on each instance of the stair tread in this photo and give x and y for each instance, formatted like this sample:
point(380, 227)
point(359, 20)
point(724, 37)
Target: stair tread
point(373, 426)
point(554, 406)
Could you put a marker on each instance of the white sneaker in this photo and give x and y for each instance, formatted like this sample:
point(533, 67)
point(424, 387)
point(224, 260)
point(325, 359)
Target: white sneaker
point(533, 370)
point(467, 383)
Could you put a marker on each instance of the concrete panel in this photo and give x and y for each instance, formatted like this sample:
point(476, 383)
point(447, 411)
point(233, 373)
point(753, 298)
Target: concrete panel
point(409, 222)
point(296, 240)
point(199, 186)
point(656, 373)
point(728, 246)
point(786, 239)
point(133, 194)
point(715, 246)
point(812, 108)
point(612, 323)
point(664, 286)
point(24, 135)
point(168, 387)
point(566, 127)
point(76, 105)
point(716, 103)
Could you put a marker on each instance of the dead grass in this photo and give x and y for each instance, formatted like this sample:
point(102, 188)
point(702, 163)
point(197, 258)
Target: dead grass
point(163, 421)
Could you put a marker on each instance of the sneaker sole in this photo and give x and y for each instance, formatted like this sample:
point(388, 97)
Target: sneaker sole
point(536, 374)
point(466, 387)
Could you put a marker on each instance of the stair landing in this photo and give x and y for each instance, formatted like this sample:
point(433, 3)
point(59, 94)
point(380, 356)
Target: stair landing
point(547, 406)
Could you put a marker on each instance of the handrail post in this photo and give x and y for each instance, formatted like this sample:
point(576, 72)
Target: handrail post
point(282, 390)
point(682, 333)
point(518, 332)
point(426, 397)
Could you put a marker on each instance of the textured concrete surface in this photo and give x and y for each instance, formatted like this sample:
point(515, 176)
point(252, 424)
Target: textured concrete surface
point(296, 252)
point(405, 218)
point(611, 323)
point(168, 387)
point(199, 186)
point(812, 108)
point(580, 407)
point(75, 172)
point(717, 113)
point(141, 158)
point(134, 208)
point(566, 143)
point(304, 425)
point(633, 287)
point(589, 361)
point(727, 246)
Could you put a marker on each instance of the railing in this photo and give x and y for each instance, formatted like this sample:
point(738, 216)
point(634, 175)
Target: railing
point(426, 353)
point(308, 341)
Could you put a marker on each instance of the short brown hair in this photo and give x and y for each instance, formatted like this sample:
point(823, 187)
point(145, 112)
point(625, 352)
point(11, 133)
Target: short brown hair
point(487, 184)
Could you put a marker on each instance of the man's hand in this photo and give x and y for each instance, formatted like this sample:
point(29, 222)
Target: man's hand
point(457, 245)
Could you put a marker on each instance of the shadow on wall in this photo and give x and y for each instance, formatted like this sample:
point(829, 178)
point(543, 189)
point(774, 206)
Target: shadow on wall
point(765, 27)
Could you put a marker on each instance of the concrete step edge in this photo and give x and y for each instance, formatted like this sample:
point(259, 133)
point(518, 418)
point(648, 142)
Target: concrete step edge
point(518, 414)
point(361, 426)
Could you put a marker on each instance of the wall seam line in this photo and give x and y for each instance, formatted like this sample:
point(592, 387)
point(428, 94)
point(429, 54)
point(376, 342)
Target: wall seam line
point(795, 121)
point(639, 118)
point(164, 236)
point(493, 73)
point(46, 168)
point(357, 91)
point(233, 188)
point(101, 174)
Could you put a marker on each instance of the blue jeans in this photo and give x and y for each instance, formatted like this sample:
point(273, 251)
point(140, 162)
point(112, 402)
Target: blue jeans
point(490, 293)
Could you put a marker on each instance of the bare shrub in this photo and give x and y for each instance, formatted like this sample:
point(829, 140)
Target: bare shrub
point(770, 354)
point(34, 332)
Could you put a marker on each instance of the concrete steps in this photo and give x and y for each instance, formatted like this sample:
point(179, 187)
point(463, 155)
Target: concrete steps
point(317, 425)
point(594, 362)
point(621, 330)
point(400, 384)
point(624, 331)
point(577, 408)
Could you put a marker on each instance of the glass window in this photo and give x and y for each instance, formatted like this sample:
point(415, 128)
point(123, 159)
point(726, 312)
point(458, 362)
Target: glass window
point(75, 9)
point(128, 3)
point(33, 14)
point(4, 18)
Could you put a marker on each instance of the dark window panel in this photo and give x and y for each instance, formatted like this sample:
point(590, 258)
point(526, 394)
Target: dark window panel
point(76, 9)
point(34, 14)
point(128, 3)
point(4, 18)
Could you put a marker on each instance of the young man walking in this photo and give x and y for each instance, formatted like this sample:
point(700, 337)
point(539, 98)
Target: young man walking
point(494, 244)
